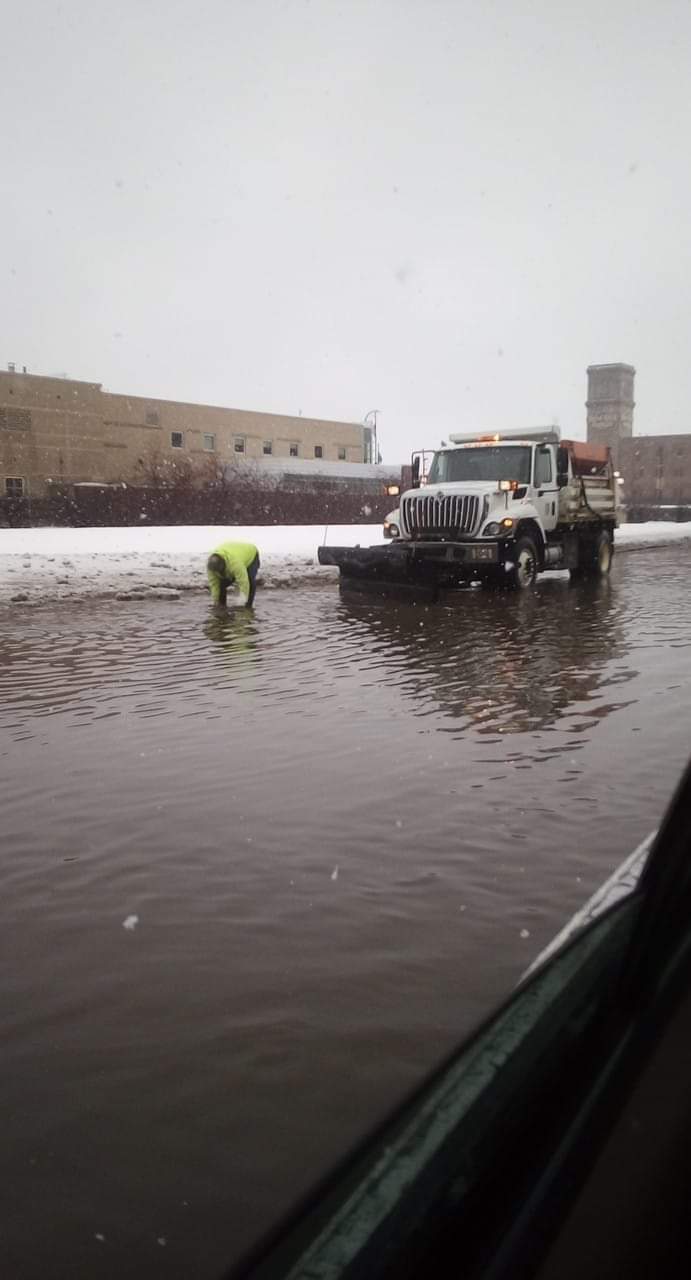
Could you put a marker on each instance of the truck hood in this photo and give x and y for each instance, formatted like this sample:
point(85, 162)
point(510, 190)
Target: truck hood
point(478, 488)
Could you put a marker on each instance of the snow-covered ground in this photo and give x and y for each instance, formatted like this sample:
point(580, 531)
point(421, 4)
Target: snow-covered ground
point(40, 564)
point(652, 533)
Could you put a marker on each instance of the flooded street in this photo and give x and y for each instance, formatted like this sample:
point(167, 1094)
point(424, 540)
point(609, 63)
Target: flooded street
point(338, 831)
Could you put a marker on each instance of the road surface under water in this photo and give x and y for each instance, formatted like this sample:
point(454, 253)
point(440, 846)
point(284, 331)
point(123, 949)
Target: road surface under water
point(259, 874)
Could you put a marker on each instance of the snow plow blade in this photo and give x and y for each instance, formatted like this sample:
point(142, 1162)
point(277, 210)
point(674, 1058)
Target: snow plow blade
point(378, 571)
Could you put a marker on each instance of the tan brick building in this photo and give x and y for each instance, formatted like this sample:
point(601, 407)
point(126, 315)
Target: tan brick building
point(58, 431)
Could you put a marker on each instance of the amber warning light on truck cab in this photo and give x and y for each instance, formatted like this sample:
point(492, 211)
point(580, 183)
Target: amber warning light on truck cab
point(543, 435)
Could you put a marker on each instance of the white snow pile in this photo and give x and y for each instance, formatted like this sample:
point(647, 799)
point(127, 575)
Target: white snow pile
point(160, 562)
point(652, 533)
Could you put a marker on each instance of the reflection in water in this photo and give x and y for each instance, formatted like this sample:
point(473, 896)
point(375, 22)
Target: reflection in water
point(235, 632)
point(503, 663)
point(509, 663)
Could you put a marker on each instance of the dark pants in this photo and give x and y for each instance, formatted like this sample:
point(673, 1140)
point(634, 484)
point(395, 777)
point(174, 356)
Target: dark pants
point(252, 571)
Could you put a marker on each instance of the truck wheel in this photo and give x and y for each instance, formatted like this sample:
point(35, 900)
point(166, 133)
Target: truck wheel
point(604, 550)
point(524, 560)
point(595, 558)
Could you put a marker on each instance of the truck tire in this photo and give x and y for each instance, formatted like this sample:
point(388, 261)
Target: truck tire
point(595, 556)
point(604, 551)
point(523, 572)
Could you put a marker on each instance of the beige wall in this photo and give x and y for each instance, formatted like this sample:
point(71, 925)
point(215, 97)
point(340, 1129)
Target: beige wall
point(54, 429)
point(48, 428)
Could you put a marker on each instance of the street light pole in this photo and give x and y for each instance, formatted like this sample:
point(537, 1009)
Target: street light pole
point(372, 414)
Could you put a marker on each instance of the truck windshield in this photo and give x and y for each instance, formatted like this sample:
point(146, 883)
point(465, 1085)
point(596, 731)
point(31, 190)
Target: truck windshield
point(503, 462)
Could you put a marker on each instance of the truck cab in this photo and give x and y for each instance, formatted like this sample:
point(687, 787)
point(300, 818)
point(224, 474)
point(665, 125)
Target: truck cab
point(478, 484)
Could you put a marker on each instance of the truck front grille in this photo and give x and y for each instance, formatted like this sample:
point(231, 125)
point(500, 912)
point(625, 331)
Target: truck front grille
point(426, 515)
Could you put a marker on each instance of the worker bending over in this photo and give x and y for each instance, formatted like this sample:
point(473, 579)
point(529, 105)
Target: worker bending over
point(233, 562)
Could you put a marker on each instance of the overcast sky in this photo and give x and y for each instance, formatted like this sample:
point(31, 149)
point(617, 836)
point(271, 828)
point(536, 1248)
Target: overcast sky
point(441, 210)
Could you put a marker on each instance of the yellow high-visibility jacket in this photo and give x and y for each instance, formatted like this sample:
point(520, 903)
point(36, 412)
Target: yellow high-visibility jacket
point(238, 557)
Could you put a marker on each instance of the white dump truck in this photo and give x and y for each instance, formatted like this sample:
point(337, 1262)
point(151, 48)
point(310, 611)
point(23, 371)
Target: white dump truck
point(499, 509)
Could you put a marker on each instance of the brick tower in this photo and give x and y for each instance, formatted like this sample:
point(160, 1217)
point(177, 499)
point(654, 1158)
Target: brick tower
point(610, 403)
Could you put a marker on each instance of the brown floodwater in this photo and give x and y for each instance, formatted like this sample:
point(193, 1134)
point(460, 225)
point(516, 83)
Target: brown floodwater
point(344, 828)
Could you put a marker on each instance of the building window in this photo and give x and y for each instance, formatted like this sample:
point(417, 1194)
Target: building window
point(15, 419)
point(294, 450)
point(268, 447)
point(152, 418)
point(319, 451)
point(341, 453)
point(209, 443)
point(177, 440)
point(239, 444)
point(14, 487)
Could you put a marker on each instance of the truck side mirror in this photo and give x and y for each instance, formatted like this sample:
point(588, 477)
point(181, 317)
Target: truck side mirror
point(416, 473)
point(562, 479)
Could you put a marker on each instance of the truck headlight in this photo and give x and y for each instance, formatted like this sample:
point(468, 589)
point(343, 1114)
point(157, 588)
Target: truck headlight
point(492, 530)
point(391, 530)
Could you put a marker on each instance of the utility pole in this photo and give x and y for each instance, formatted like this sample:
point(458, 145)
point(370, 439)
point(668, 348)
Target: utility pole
point(370, 420)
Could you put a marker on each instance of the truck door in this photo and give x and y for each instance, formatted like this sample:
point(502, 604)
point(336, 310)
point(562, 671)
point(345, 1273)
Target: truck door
point(545, 484)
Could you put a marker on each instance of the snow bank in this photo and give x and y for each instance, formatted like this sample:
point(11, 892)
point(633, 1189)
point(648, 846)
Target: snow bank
point(36, 564)
point(652, 533)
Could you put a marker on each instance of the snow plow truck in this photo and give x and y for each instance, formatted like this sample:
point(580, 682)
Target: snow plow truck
point(497, 509)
